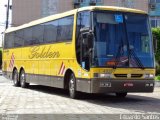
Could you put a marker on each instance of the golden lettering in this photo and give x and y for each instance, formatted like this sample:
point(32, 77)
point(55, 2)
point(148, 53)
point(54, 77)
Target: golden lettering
point(43, 52)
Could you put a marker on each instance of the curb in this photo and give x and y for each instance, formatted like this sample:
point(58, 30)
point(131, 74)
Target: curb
point(157, 83)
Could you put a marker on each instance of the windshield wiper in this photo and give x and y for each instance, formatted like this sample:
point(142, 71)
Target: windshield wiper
point(130, 51)
point(138, 61)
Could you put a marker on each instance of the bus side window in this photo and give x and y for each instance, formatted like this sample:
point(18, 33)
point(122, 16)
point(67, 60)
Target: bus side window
point(83, 20)
point(50, 31)
point(37, 35)
point(9, 40)
point(28, 36)
point(19, 40)
point(65, 29)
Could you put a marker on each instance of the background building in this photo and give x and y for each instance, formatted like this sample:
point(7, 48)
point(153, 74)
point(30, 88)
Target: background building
point(24, 11)
point(154, 11)
point(138, 4)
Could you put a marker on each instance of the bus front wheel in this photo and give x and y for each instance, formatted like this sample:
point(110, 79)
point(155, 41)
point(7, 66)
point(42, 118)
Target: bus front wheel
point(72, 87)
point(15, 78)
point(121, 95)
point(23, 80)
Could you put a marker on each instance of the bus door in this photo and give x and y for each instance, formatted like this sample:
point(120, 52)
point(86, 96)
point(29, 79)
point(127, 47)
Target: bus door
point(82, 48)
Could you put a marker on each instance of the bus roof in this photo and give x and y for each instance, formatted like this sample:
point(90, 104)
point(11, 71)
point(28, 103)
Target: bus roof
point(71, 12)
point(112, 8)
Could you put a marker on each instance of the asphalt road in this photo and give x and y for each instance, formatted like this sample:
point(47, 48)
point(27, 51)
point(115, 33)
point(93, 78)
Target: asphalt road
point(46, 100)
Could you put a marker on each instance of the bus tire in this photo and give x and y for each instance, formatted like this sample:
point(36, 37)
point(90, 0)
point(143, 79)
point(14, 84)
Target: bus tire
point(23, 82)
point(72, 87)
point(121, 95)
point(16, 82)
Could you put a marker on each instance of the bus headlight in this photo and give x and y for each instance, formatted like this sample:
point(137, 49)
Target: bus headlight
point(103, 75)
point(148, 76)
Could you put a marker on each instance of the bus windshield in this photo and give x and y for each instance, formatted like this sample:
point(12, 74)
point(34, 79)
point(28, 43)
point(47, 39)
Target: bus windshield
point(122, 40)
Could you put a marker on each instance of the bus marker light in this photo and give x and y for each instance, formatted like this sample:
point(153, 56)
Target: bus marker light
point(148, 76)
point(149, 84)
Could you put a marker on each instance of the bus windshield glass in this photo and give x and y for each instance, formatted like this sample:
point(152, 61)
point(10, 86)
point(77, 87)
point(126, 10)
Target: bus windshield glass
point(122, 40)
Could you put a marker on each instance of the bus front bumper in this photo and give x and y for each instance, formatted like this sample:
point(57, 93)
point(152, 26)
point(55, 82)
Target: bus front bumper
point(112, 86)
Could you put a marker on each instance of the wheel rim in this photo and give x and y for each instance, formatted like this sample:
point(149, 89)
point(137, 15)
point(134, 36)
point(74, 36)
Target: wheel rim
point(22, 79)
point(72, 86)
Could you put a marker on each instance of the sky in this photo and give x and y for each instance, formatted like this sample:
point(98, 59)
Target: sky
point(3, 18)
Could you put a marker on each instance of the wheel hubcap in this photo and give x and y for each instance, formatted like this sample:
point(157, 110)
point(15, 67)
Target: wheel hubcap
point(71, 86)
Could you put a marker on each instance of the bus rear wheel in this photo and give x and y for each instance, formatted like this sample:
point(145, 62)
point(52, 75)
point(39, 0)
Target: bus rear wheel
point(121, 95)
point(23, 82)
point(72, 87)
point(15, 78)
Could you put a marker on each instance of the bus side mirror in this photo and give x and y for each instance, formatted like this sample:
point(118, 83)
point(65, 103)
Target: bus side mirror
point(90, 39)
point(84, 30)
point(87, 36)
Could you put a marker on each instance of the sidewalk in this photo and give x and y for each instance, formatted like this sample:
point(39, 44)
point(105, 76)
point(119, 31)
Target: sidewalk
point(157, 83)
point(0, 72)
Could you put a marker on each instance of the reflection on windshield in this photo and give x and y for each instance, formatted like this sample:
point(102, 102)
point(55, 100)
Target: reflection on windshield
point(122, 40)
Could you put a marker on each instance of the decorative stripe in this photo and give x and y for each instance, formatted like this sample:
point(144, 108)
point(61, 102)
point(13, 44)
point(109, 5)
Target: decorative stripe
point(62, 69)
point(11, 64)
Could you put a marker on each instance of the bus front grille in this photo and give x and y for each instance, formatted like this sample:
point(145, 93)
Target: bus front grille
point(136, 75)
point(128, 75)
point(120, 75)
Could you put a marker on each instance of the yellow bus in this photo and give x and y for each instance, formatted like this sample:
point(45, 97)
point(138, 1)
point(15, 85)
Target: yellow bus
point(95, 49)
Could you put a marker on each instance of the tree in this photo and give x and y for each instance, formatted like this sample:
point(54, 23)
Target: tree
point(156, 35)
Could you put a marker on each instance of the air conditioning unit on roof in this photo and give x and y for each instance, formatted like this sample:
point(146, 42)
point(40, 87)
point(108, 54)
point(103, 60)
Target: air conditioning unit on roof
point(76, 2)
point(152, 6)
point(92, 2)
